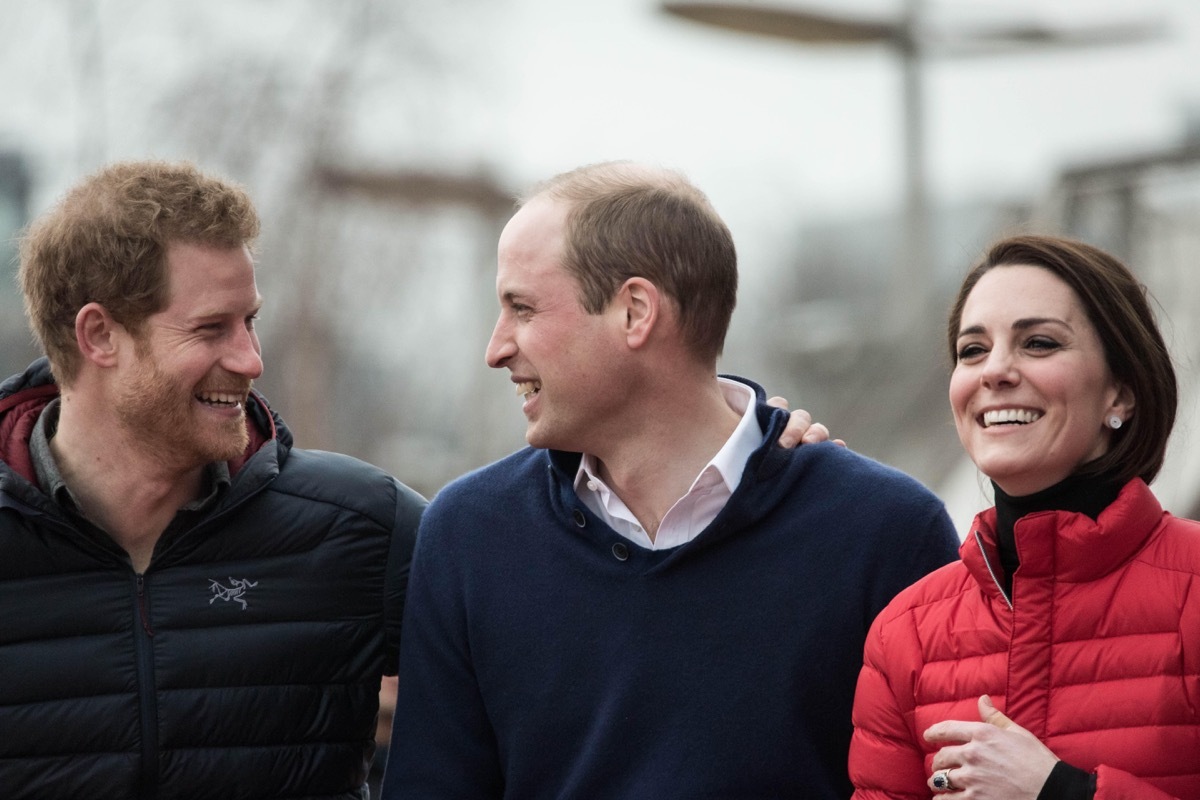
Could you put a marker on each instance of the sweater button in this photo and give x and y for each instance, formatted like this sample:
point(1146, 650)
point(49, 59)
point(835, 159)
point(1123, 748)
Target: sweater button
point(620, 551)
point(580, 520)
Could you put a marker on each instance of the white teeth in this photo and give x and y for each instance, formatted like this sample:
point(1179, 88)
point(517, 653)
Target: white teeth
point(1002, 416)
point(221, 398)
point(526, 388)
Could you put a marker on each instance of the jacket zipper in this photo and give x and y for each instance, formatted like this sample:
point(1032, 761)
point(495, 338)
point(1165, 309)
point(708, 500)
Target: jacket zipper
point(147, 699)
point(992, 572)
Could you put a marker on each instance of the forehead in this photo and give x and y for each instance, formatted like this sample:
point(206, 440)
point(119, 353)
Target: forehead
point(201, 274)
point(1022, 291)
point(533, 241)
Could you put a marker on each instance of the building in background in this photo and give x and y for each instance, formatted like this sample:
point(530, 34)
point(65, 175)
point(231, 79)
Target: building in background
point(15, 340)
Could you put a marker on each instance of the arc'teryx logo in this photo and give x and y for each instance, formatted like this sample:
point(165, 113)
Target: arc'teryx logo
point(236, 591)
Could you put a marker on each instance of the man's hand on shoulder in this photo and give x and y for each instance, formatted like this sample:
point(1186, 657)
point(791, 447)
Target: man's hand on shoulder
point(800, 428)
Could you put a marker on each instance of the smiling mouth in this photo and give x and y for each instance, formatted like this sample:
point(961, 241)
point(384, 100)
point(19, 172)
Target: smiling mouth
point(1010, 416)
point(222, 399)
point(527, 389)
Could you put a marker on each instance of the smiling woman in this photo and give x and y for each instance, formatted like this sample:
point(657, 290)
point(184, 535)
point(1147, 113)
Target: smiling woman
point(1031, 390)
point(995, 675)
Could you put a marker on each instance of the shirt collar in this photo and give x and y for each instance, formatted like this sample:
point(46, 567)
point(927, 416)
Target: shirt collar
point(730, 460)
point(216, 474)
point(44, 465)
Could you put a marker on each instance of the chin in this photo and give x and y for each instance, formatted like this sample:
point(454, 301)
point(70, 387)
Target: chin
point(548, 440)
point(1013, 481)
point(1002, 465)
point(540, 442)
point(225, 448)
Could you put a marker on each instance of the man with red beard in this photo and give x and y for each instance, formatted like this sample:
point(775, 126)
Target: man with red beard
point(192, 607)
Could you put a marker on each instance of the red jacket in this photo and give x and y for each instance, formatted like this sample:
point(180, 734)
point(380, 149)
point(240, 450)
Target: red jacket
point(1099, 656)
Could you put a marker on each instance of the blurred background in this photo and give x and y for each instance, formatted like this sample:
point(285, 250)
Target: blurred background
point(863, 152)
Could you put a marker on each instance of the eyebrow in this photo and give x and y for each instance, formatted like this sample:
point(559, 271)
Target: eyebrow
point(1019, 325)
point(219, 314)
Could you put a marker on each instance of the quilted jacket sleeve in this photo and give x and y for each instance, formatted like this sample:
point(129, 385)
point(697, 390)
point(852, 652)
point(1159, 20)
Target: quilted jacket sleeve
point(886, 760)
point(409, 507)
point(1113, 784)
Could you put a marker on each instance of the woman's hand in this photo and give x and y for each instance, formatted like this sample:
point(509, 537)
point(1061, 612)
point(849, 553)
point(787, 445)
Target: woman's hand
point(995, 759)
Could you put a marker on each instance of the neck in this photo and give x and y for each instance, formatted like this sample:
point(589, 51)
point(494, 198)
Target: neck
point(656, 460)
point(1087, 494)
point(130, 493)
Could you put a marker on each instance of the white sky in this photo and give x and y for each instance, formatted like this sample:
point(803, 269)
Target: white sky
point(775, 132)
point(773, 128)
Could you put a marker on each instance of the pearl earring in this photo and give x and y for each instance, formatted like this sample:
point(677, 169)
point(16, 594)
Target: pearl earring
point(1114, 421)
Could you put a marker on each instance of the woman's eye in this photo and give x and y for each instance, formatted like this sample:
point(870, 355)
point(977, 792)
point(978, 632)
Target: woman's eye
point(1041, 343)
point(969, 351)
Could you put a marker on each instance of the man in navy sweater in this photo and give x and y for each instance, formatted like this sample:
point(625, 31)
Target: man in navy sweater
point(654, 599)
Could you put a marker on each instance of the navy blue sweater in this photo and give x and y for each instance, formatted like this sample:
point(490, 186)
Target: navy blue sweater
point(546, 656)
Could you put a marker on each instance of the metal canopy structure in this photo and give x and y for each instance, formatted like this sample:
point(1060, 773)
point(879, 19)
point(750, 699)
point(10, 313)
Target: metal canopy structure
point(910, 28)
point(914, 37)
point(793, 24)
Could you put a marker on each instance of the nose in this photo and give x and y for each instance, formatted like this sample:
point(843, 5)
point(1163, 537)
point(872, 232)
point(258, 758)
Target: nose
point(501, 346)
point(1000, 368)
point(244, 356)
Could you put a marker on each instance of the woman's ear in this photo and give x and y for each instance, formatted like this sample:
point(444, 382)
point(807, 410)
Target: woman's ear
point(1122, 404)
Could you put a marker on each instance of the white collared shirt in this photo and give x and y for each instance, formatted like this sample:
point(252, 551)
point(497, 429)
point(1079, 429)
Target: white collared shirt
point(708, 494)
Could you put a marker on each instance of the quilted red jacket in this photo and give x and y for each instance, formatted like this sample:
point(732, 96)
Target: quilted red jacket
point(1098, 656)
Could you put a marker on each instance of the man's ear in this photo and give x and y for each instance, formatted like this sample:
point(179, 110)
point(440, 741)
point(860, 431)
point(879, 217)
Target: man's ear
point(98, 335)
point(641, 303)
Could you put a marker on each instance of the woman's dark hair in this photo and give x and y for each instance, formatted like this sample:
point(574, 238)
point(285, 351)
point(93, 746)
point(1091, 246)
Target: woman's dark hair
point(1116, 305)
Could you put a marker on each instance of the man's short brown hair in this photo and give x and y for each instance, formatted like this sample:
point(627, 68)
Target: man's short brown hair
point(628, 220)
point(106, 242)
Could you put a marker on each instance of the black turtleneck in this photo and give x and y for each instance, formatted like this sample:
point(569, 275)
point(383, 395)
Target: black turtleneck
point(1085, 494)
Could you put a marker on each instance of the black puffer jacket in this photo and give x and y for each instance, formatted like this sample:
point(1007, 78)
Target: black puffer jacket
point(244, 663)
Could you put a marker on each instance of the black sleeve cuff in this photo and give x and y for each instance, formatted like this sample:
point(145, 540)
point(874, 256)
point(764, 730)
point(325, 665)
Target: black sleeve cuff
point(1068, 783)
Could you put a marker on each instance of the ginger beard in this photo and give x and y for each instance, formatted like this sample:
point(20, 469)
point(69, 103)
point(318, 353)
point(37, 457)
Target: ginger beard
point(171, 419)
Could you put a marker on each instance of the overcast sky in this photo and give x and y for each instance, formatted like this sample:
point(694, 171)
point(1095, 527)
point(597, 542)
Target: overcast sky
point(818, 128)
